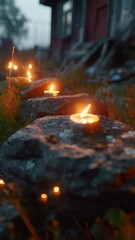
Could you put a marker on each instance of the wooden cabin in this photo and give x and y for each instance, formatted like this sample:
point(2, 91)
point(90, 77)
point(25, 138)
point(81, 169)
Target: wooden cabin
point(77, 21)
point(79, 28)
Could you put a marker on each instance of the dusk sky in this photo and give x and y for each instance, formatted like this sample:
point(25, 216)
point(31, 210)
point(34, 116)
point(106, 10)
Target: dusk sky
point(39, 23)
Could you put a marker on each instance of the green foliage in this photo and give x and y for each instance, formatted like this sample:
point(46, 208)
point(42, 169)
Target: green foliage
point(120, 100)
point(97, 231)
point(115, 217)
point(76, 80)
point(114, 225)
point(75, 76)
point(12, 20)
point(10, 106)
point(38, 220)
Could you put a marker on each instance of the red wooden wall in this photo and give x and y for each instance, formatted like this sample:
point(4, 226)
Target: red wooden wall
point(96, 19)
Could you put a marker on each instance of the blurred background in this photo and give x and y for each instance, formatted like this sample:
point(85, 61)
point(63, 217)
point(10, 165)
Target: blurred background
point(38, 24)
point(27, 26)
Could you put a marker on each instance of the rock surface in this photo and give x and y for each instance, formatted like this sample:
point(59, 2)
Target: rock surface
point(36, 89)
point(62, 105)
point(47, 152)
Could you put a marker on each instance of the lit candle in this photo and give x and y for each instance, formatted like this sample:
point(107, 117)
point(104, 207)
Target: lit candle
point(29, 76)
point(2, 183)
point(10, 65)
point(51, 92)
point(43, 197)
point(15, 67)
point(84, 121)
point(56, 191)
point(30, 66)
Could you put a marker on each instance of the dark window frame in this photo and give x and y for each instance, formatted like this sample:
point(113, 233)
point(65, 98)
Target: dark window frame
point(66, 27)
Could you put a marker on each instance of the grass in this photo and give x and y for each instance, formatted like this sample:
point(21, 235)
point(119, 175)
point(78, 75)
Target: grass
point(119, 98)
point(115, 223)
point(46, 223)
point(9, 104)
point(10, 108)
point(76, 81)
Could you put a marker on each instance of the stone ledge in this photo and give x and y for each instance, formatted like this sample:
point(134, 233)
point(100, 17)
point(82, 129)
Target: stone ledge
point(47, 153)
point(63, 105)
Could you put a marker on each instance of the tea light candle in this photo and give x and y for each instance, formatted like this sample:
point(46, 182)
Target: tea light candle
point(2, 183)
point(84, 122)
point(51, 92)
point(56, 191)
point(44, 197)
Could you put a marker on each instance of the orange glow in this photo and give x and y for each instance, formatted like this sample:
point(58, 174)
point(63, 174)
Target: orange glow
point(85, 111)
point(52, 87)
point(15, 67)
point(2, 183)
point(84, 117)
point(56, 190)
point(29, 75)
point(30, 66)
point(84, 121)
point(44, 197)
point(10, 65)
point(52, 91)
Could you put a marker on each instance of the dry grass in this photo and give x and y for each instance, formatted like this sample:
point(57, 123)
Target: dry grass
point(120, 100)
point(120, 97)
point(9, 104)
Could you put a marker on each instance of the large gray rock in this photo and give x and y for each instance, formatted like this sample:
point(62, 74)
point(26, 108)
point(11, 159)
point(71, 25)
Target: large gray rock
point(36, 89)
point(47, 153)
point(62, 105)
point(94, 172)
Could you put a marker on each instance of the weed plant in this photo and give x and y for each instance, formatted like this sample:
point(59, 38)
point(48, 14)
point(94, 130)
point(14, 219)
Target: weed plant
point(10, 107)
point(115, 223)
point(119, 98)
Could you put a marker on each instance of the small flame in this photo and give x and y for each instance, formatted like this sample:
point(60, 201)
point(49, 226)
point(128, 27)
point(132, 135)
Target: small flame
point(29, 75)
point(10, 65)
point(52, 87)
point(56, 191)
point(15, 67)
point(85, 111)
point(2, 183)
point(44, 197)
point(30, 66)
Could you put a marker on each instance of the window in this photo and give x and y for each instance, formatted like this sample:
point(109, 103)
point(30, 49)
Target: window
point(127, 5)
point(67, 18)
point(78, 12)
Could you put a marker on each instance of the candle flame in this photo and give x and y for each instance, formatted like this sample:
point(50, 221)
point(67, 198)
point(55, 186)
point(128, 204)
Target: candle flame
point(2, 183)
point(30, 66)
point(44, 197)
point(29, 75)
point(52, 87)
point(51, 91)
point(10, 65)
point(56, 191)
point(85, 111)
point(15, 67)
